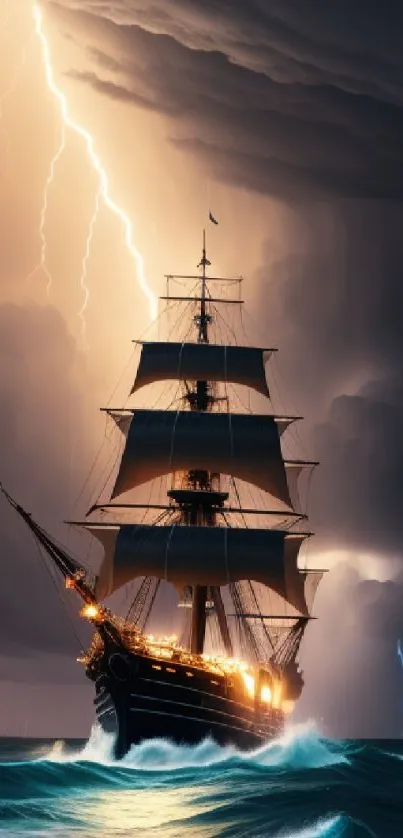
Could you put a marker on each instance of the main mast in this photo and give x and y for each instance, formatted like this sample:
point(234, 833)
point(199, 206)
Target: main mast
point(204, 319)
point(200, 498)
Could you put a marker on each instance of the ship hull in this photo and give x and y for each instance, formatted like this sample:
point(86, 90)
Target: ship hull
point(139, 698)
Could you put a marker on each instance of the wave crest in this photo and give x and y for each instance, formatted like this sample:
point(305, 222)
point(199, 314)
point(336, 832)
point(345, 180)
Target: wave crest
point(301, 746)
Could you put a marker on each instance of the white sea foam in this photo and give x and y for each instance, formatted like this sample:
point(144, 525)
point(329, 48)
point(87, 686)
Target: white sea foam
point(338, 826)
point(300, 746)
point(324, 828)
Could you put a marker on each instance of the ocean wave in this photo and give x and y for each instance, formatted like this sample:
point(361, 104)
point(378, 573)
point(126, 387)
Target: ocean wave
point(300, 746)
point(297, 786)
point(324, 828)
point(335, 827)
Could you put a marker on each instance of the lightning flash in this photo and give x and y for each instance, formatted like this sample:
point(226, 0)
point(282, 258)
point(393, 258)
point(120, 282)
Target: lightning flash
point(87, 253)
point(44, 209)
point(103, 192)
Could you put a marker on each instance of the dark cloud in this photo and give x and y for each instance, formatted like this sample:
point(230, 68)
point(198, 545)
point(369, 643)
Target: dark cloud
point(333, 304)
point(331, 298)
point(314, 44)
point(356, 688)
point(362, 455)
point(294, 105)
point(40, 465)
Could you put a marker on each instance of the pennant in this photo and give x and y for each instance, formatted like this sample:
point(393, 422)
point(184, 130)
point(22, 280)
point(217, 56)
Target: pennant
point(212, 219)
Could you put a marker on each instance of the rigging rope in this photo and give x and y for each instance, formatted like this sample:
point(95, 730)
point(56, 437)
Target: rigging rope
point(56, 585)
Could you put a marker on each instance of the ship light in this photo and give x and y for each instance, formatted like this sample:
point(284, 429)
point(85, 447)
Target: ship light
point(265, 695)
point(277, 695)
point(249, 683)
point(91, 611)
point(160, 652)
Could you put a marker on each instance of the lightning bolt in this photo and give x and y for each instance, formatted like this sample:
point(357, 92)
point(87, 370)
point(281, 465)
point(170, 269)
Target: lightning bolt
point(399, 651)
point(87, 253)
point(44, 209)
point(103, 192)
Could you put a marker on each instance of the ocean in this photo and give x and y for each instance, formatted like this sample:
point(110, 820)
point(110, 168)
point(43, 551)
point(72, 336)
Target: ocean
point(299, 786)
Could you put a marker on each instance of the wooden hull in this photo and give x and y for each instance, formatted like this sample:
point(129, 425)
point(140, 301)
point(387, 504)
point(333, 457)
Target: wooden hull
point(140, 697)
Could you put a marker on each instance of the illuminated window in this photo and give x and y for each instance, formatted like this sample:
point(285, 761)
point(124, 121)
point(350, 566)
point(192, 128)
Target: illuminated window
point(189, 674)
point(155, 666)
point(170, 669)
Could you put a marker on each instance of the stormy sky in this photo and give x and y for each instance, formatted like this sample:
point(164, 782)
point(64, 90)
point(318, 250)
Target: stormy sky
point(286, 119)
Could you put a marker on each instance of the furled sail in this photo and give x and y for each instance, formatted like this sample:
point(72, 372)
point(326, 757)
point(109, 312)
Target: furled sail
point(204, 362)
point(163, 441)
point(190, 555)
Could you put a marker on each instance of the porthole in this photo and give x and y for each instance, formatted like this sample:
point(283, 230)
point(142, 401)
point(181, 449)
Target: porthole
point(119, 666)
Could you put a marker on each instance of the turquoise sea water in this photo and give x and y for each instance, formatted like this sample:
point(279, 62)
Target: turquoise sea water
point(300, 786)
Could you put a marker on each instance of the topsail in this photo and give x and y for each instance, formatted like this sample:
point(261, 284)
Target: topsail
point(161, 441)
point(202, 361)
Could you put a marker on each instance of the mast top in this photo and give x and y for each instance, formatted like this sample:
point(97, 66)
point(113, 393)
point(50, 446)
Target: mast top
point(203, 319)
point(204, 262)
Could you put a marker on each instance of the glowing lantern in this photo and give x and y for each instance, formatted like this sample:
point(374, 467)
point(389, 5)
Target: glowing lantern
point(91, 611)
point(249, 682)
point(265, 695)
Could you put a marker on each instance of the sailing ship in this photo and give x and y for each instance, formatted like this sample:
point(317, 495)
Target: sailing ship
point(235, 568)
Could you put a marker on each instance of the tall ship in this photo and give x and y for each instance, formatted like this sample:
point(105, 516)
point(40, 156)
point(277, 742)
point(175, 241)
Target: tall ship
point(225, 539)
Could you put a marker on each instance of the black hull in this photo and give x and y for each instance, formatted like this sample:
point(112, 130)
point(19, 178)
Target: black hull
point(140, 697)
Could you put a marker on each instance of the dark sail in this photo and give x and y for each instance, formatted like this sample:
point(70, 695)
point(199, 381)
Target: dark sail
point(201, 556)
point(202, 361)
point(243, 445)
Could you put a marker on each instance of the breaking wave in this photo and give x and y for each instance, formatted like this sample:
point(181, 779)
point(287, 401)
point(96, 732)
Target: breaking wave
point(298, 786)
point(299, 747)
